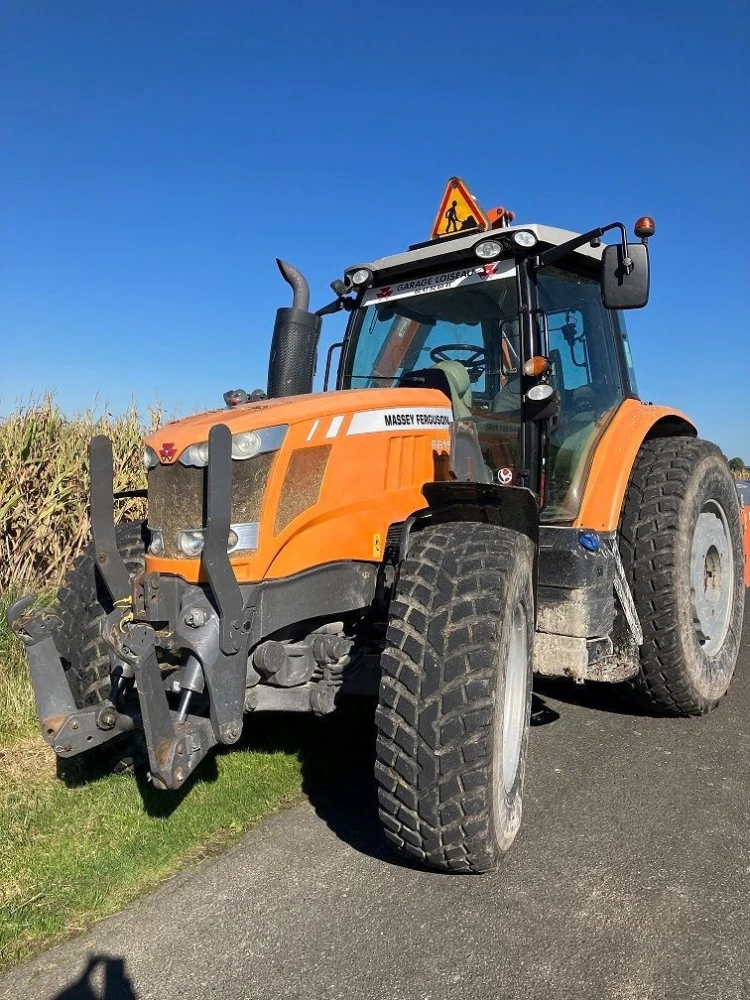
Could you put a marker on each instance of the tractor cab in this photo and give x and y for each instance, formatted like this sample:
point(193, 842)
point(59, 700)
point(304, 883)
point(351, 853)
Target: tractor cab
point(534, 360)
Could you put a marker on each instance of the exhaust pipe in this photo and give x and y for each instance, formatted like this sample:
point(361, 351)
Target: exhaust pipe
point(294, 348)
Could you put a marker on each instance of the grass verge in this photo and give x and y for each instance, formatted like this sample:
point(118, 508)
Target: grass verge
point(79, 849)
point(17, 712)
point(82, 851)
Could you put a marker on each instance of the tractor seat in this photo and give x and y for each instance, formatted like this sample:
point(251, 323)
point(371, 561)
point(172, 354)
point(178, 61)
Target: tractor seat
point(450, 377)
point(459, 384)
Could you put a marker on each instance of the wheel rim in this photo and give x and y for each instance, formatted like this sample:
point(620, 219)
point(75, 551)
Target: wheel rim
point(514, 710)
point(711, 577)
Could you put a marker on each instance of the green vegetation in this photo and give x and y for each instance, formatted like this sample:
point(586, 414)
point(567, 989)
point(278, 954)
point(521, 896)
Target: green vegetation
point(83, 847)
point(44, 486)
point(17, 713)
point(79, 847)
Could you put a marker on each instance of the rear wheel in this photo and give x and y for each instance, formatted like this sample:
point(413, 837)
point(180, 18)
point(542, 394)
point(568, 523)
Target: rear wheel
point(681, 546)
point(84, 604)
point(455, 697)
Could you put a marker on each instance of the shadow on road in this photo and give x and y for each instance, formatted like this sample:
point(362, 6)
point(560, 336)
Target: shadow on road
point(104, 978)
point(595, 695)
point(337, 754)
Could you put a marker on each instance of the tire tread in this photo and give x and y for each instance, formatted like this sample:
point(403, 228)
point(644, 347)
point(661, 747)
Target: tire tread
point(433, 721)
point(649, 537)
point(83, 604)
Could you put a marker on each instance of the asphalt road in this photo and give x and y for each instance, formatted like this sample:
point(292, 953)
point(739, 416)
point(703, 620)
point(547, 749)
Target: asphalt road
point(630, 879)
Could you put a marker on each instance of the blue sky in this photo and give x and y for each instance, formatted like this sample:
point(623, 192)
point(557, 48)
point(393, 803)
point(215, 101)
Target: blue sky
point(157, 156)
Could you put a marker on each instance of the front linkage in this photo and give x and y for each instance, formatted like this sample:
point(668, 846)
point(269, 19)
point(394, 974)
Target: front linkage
point(216, 635)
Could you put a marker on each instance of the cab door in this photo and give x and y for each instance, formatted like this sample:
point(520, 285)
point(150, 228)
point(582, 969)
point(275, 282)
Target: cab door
point(587, 372)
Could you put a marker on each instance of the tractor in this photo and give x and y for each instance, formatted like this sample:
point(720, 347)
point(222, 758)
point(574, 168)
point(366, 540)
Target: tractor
point(478, 494)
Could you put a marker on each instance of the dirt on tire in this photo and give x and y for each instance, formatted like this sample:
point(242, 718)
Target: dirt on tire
point(672, 481)
point(440, 713)
point(84, 604)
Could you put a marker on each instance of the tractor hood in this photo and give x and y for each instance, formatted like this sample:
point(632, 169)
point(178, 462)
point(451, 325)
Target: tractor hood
point(316, 479)
point(326, 415)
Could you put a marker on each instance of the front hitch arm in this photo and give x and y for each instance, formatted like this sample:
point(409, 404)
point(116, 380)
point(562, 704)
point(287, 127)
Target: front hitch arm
point(36, 629)
point(216, 562)
point(225, 674)
point(174, 747)
point(109, 562)
point(68, 729)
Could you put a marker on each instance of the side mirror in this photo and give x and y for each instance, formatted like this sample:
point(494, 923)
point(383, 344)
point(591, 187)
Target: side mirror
point(625, 287)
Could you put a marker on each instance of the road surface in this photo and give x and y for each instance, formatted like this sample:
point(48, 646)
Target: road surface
point(630, 879)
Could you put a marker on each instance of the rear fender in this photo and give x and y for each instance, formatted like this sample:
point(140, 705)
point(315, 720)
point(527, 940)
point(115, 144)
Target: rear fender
point(614, 457)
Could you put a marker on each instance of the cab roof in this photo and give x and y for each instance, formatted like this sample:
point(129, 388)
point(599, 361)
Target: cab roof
point(447, 249)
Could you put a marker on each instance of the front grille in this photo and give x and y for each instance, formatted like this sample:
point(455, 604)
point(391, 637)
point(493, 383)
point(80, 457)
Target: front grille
point(177, 497)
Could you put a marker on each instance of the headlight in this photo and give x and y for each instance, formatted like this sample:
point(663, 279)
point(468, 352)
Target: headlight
point(541, 391)
point(195, 454)
point(243, 536)
point(150, 458)
point(190, 542)
point(245, 445)
point(362, 276)
point(524, 239)
point(156, 548)
point(488, 249)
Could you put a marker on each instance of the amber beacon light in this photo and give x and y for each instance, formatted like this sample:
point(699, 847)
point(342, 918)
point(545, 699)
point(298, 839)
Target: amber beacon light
point(644, 228)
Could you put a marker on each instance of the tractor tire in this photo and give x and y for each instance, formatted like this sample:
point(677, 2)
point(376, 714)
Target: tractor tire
point(455, 697)
point(84, 604)
point(681, 546)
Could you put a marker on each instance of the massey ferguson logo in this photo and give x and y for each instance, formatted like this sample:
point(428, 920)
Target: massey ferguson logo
point(167, 451)
point(487, 271)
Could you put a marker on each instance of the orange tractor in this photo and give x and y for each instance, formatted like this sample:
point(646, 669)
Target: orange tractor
point(483, 496)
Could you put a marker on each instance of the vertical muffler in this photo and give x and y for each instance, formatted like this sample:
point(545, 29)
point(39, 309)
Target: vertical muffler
point(294, 348)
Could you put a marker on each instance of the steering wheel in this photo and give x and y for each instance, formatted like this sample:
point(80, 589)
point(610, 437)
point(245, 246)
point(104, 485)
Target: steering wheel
point(475, 364)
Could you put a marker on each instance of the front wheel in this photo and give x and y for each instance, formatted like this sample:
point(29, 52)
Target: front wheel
point(455, 697)
point(84, 604)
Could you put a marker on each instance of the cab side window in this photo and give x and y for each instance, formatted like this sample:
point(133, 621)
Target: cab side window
point(587, 375)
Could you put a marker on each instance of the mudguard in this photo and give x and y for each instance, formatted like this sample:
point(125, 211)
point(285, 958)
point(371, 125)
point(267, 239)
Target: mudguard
point(612, 463)
point(511, 507)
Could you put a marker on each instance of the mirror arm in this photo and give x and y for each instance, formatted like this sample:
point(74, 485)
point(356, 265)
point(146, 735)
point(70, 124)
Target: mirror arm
point(333, 307)
point(336, 306)
point(593, 236)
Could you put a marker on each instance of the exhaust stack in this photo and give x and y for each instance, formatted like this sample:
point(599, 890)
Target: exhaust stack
point(294, 348)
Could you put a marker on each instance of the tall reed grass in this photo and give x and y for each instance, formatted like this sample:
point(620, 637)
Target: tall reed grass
point(44, 485)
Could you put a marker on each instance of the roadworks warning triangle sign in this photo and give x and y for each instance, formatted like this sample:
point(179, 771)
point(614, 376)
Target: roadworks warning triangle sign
point(458, 212)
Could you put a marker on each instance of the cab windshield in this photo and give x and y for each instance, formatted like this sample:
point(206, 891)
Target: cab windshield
point(469, 331)
point(475, 325)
